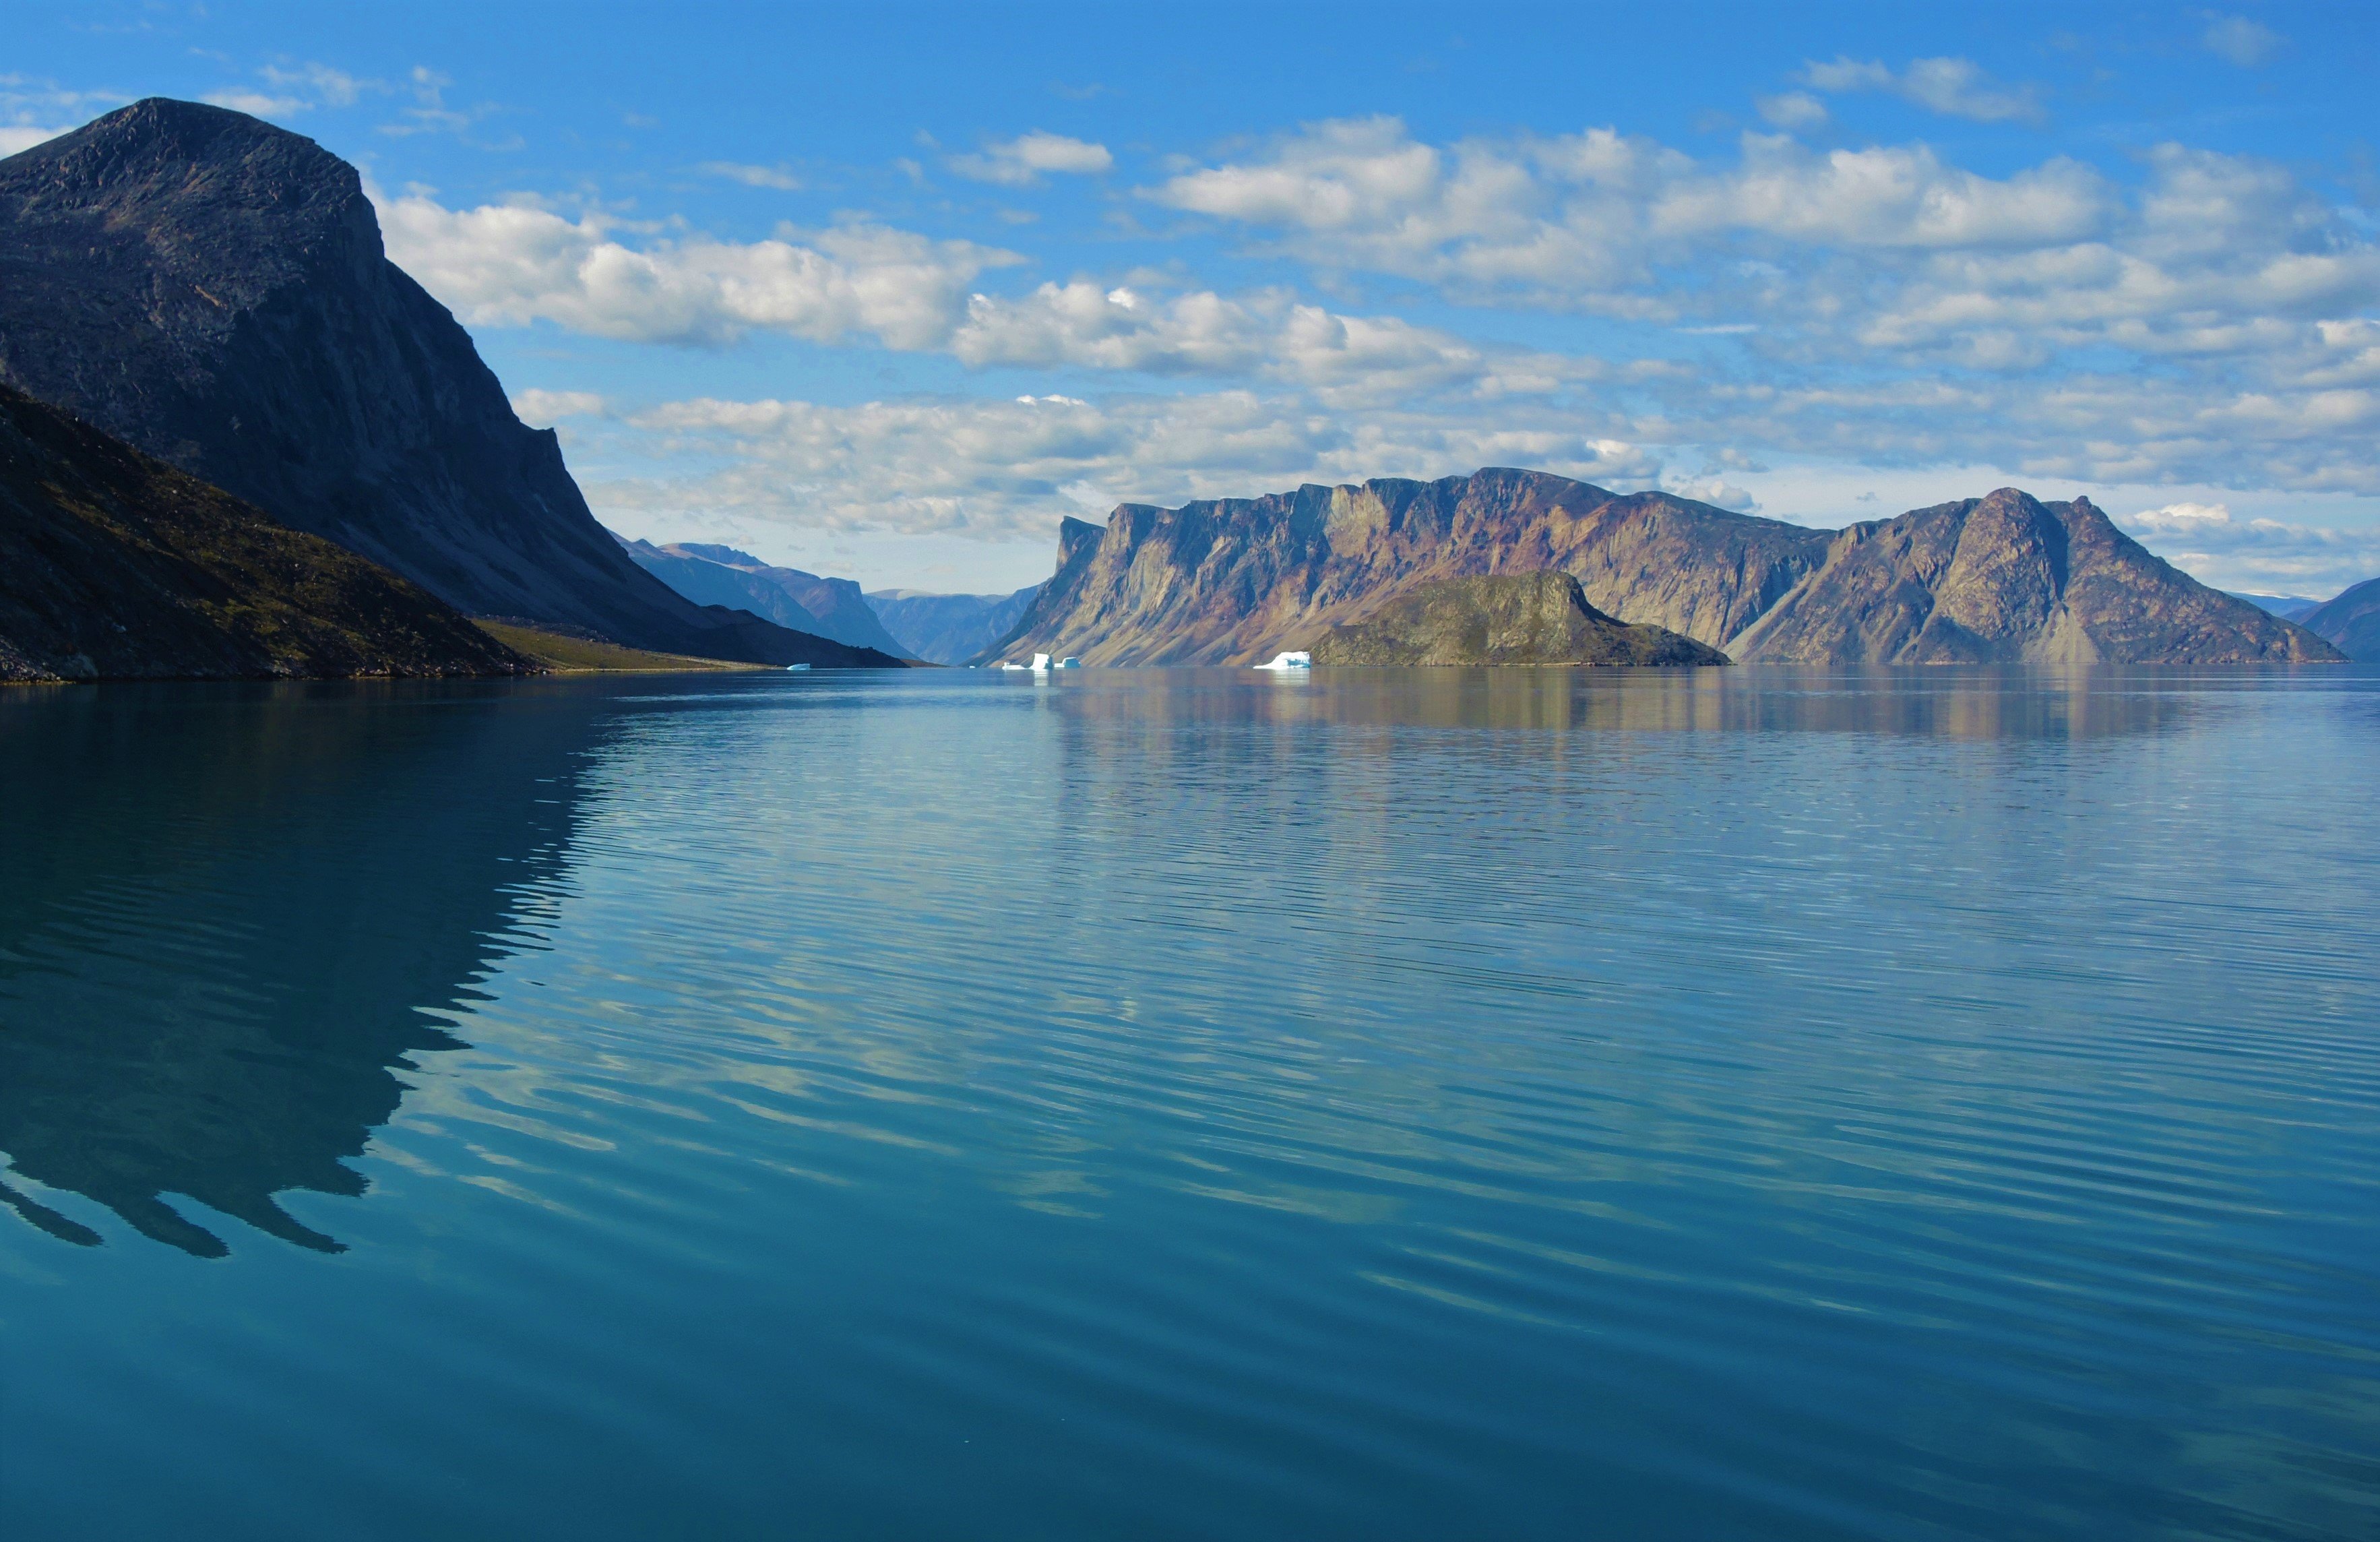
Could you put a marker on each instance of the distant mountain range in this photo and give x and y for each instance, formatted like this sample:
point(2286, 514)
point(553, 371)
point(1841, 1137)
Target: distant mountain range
point(949, 628)
point(712, 574)
point(113, 565)
point(2350, 621)
point(213, 290)
point(2005, 577)
point(2288, 607)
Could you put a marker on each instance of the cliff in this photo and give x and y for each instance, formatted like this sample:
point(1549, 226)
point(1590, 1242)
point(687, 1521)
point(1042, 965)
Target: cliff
point(2350, 621)
point(1232, 581)
point(1235, 580)
point(115, 565)
point(213, 290)
point(1516, 618)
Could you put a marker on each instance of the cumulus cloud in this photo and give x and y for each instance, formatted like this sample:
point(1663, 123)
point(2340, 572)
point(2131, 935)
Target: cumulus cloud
point(2239, 40)
point(1023, 160)
point(2268, 555)
point(15, 137)
point(1007, 469)
point(1955, 88)
point(1792, 110)
point(545, 408)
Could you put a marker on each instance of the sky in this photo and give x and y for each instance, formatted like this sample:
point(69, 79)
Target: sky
point(887, 291)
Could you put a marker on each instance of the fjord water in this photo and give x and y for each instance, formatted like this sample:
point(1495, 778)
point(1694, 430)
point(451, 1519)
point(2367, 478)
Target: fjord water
point(1396, 1104)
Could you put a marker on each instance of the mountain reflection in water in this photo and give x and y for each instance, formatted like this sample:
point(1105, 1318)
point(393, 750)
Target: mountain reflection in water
point(235, 916)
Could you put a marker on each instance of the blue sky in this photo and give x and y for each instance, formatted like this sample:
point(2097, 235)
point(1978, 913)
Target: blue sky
point(885, 291)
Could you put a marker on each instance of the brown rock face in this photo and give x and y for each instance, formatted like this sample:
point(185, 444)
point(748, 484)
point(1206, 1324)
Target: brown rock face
point(1515, 618)
point(1235, 580)
point(2009, 579)
point(2003, 578)
point(116, 566)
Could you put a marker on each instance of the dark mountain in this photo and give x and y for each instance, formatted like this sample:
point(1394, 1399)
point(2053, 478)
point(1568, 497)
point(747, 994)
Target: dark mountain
point(213, 290)
point(114, 565)
point(1511, 618)
point(2350, 623)
point(2009, 579)
point(2000, 578)
point(712, 574)
point(949, 628)
point(2288, 607)
point(1235, 580)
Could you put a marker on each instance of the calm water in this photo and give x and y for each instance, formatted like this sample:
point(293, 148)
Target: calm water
point(1745, 1104)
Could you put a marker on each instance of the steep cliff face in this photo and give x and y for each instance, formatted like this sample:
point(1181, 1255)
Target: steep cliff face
point(1514, 618)
point(1992, 578)
point(2350, 621)
point(1233, 580)
point(114, 565)
point(213, 290)
point(2009, 579)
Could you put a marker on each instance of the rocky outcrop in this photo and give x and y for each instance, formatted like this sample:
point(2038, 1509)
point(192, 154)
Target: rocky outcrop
point(213, 290)
point(2008, 579)
point(2004, 578)
point(114, 565)
point(1235, 580)
point(2350, 621)
point(949, 628)
point(1514, 618)
point(712, 575)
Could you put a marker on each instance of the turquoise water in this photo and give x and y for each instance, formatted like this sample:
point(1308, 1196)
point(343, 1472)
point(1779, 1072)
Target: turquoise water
point(1443, 1104)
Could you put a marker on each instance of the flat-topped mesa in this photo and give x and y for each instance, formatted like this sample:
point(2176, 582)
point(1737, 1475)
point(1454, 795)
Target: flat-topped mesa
point(2001, 578)
point(213, 290)
point(1514, 618)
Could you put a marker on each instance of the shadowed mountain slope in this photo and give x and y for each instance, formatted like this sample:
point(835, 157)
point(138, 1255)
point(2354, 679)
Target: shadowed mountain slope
point(949, 628)
point(1514, 618)
point(213, 290)
point(114, 565)
point(1232, 580)
point(709, 575)
point(2000, 578)
point(2350, 621)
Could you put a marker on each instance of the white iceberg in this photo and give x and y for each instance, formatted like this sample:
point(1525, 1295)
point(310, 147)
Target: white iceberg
point(1069, 662)
point(791, 668)
point(1299, 659)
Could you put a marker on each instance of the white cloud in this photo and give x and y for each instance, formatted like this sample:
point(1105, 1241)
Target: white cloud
point(297, 89)
point(545, 409)
point(2261, 555)
point(1023, 160)
point(15, 137)
point(778, 176)
point(1956, 88)
point(1884, 197)
point(2239, 40)
point(259, 104)
point(1792, 110)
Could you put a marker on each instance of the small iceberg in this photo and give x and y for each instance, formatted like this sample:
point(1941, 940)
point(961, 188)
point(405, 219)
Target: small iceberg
point(1069, 662)
point(791, 669)
point(1290, 661)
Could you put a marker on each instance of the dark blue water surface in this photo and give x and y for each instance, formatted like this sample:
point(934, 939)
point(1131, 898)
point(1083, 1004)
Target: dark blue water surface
point(1184, 1104)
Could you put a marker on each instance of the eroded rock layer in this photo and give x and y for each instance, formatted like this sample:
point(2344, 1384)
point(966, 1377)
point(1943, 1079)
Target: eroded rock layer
point(1514, 618)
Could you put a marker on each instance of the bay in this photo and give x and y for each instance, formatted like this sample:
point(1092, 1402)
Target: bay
point(1443, 1103)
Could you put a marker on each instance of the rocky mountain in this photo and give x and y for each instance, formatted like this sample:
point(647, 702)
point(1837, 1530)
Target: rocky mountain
point(213, 290)
point(1232, 581)
point(115, 565)
point(712, 574)
point(1510, 618)
point(949, 628)
point(2009, 579)
point(2350, 621)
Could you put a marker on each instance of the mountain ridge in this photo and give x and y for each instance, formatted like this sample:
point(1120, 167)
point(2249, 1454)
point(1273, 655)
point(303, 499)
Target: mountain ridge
point(1232, 580)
